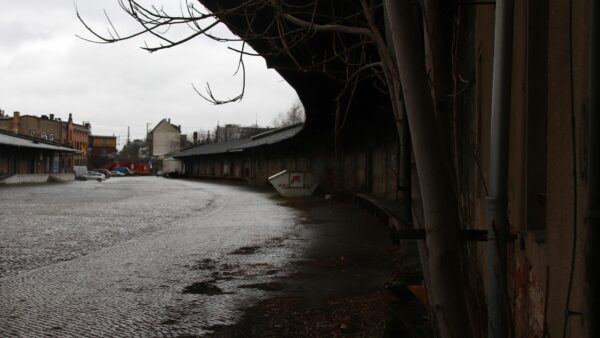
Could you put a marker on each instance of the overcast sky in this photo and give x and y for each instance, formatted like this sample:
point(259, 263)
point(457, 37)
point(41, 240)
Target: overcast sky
point(46, 69)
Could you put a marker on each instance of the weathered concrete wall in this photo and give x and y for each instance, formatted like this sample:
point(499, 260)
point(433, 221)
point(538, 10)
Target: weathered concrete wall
point(165, 139)
point(25, 178)
point(38, 178)
point(63, 177)
point(541, 274)
point(369, 166)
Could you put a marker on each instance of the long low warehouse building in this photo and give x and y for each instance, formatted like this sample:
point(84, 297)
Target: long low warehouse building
point(254, 158)
point(25, 159)
point(367, 162)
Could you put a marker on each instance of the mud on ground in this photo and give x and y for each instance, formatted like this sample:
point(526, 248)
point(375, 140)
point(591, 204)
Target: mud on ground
point(352, 282)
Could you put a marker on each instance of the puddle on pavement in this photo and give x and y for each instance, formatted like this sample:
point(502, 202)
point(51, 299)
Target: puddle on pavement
point(168, 322)
point(204, 264)
point(245, 250)
point(271, 286)
point(203, 288)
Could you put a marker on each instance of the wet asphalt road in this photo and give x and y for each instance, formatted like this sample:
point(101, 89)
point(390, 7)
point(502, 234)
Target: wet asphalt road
point(113, 258)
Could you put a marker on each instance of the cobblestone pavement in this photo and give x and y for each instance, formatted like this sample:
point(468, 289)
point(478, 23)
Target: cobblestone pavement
point(121, 258)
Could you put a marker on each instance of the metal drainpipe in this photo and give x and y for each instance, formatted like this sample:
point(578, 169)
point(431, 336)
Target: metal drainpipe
point(592, 247)
point(498, 309)
point(407, 162)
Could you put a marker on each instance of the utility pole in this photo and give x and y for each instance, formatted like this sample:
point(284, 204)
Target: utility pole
point(128, 134)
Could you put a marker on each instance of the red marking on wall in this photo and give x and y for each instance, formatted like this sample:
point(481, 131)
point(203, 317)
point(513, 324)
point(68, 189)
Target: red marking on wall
point(295, 178)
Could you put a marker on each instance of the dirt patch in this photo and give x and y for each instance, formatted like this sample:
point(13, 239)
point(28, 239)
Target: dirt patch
point(361, 316)
point(226, 272)
point(168, 322)
point(204, 264)
point(277, 242)
point(203, 288)
point(336, 289)
point(223, 275)
point(317, 200)
point(271, 286)
point(245, 250)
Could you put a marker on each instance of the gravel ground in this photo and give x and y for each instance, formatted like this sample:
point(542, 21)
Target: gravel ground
point(351, 282)
point(124, 257)
point(152, 257)
point(50, 223)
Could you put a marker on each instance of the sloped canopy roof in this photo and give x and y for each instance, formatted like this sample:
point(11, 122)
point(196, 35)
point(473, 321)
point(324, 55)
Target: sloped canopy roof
point(211, 148)
point(306, 61)
point(273, 136)
point(18, 141)
point(269, 137)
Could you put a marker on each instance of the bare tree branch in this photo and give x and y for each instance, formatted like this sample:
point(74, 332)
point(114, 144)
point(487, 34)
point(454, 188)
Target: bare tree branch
point(328, 27)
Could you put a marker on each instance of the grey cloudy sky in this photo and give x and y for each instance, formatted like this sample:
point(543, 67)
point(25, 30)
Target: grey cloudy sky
point(46, 69)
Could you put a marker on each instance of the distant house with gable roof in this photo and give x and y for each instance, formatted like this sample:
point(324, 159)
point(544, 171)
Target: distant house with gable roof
point(164, 138)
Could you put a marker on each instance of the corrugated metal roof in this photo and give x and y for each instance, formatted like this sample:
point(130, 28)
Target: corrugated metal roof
point(273, 136)
point(270, 137)
point(212, 148)
point(15, 141)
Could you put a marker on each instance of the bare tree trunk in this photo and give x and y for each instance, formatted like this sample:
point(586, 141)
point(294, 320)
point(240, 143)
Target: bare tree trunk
point(445, 247)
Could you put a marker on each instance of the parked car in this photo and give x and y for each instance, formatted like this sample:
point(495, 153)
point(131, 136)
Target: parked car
point(106, 172)
point(116, 173)
point(93, 175)
point(124, 170)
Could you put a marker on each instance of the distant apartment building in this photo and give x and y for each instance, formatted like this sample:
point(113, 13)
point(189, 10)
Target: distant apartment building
point(80, 140)
point(165, 138)
point(49, 128)
point(235, 132)
point(102, 145)
point(102, 150)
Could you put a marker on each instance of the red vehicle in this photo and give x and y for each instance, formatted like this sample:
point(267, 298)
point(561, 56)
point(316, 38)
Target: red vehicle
point(139, 168)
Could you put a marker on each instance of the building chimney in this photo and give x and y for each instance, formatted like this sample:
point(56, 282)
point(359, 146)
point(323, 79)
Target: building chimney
point(169, 120)
point(16, 122)
point(70, 118)
point(51, 116)
point(195, 138)
point(1, 112)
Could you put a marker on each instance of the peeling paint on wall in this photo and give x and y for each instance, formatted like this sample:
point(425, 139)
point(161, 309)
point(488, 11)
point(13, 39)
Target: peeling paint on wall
point(529, 300)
